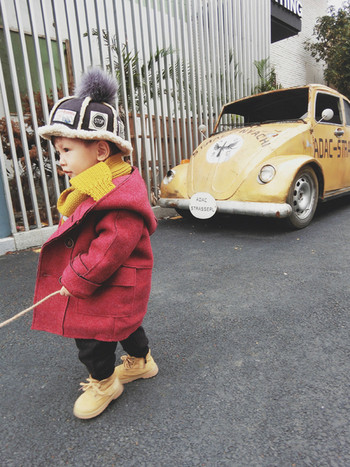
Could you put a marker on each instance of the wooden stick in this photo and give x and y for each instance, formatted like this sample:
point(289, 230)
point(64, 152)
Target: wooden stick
point(8, 321)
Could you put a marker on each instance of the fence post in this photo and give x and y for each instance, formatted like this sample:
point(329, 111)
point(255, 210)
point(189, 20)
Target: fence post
point(5, 227)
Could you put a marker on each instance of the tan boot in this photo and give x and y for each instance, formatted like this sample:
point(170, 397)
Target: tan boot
point(134, 368)
point(97, 395)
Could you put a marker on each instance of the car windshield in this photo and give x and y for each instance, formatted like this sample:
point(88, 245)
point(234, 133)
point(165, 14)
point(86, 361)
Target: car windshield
point(277, 106)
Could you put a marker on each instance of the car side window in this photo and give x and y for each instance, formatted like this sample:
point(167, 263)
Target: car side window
point(327, 101)
point(347, 112)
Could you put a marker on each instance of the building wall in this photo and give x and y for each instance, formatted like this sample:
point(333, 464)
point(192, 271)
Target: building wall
point(293, 64)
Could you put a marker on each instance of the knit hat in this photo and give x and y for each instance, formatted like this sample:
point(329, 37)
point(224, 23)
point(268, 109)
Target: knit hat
point(89, 114)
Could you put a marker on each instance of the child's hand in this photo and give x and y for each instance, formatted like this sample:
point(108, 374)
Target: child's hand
point(65, 292)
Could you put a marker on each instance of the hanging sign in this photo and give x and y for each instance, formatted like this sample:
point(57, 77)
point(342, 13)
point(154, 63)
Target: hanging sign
point(294, 6)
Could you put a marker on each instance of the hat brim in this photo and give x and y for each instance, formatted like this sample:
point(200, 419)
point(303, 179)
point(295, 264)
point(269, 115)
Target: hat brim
point(48, 131)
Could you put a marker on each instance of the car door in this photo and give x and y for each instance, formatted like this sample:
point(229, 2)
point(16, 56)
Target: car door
point(346, 142)
point(327, 139)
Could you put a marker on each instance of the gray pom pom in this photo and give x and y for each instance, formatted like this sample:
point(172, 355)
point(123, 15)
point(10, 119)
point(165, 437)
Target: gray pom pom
point(98, 85)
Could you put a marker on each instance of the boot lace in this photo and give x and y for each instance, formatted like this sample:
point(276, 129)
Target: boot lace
point(128, 361)
point(92, 384)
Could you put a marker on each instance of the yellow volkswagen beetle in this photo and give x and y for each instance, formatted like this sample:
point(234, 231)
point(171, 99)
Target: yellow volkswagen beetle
point(274, 154)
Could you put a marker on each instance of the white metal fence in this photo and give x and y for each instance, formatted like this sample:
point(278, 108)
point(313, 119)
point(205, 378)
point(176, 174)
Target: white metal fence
point(176, 62)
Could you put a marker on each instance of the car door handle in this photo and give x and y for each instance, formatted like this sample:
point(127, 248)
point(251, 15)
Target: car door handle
point(339, 132)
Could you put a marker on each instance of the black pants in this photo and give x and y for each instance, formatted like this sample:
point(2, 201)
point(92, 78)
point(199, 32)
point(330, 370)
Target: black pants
point(99, 356)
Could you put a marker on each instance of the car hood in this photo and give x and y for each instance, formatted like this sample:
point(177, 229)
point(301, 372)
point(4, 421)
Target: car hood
point(221, 163)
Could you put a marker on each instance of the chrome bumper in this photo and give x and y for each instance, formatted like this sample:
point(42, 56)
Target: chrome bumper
point(247, 208)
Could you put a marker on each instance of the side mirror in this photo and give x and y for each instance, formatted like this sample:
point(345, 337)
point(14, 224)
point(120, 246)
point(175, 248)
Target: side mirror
point(202, 129)
point(327, 115)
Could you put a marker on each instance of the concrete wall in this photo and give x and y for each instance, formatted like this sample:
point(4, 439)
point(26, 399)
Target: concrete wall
point(294, 65)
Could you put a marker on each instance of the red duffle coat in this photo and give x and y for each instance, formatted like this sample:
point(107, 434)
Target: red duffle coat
point(102, 254)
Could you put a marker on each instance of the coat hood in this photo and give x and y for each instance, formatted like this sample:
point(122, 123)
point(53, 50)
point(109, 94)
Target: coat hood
point(130, 193)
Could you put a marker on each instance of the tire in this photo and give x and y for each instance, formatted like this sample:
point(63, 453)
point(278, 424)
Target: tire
point(303, 197)
point(185, 213)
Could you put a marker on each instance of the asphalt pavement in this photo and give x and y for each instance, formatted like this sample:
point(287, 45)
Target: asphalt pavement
point(249, 324)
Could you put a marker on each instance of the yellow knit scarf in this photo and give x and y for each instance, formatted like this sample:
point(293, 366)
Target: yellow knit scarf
point(95, 182)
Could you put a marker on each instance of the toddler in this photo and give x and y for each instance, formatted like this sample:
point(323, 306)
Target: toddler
point(100, 257)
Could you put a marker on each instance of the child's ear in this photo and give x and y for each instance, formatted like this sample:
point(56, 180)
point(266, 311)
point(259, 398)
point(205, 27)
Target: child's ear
point(102, 151)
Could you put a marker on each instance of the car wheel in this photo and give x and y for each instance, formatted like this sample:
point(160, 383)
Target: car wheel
point(185, 213)
point(303, 197)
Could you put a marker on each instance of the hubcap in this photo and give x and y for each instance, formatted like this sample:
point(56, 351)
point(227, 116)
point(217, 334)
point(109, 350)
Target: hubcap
point(303, 196)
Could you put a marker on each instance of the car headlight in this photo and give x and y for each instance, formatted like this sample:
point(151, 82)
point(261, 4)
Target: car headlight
point(169, 176)
point(267, 173)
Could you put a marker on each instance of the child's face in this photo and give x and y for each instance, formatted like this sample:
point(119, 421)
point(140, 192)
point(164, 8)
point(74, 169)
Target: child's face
point(75, 155)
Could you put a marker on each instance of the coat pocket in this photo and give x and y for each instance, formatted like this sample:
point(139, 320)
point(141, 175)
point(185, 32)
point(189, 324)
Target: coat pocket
point(114, 298)
point(124, 277)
